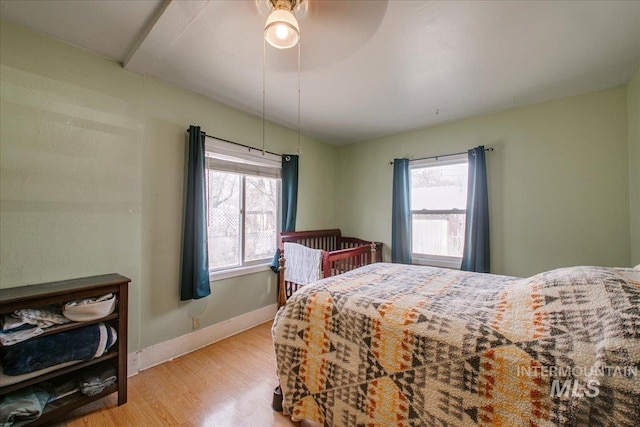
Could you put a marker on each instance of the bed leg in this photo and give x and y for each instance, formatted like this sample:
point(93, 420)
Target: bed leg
point(276, 403)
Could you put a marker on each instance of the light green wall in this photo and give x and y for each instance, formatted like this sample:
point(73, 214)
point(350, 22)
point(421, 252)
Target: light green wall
point(91, 168)
point(167, 112)
point(558, 181)
point(633, 110)
point(70, 155)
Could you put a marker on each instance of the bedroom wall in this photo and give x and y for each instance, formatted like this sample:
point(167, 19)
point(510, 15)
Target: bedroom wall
point(166, 111)
point(70, 156)
point(633, 110)
point(91, 164)
point(558, 181)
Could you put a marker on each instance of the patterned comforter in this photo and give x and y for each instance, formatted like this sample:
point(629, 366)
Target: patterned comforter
point(391, 344)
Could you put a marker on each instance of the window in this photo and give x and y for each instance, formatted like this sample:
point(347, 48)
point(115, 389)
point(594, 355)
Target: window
point(243, 193)
point(438, 210)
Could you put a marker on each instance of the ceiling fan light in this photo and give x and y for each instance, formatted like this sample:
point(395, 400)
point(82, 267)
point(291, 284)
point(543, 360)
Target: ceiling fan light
point(281, 29)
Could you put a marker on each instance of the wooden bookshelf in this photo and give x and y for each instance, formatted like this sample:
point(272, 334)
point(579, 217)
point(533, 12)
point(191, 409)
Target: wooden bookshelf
point(40, 295)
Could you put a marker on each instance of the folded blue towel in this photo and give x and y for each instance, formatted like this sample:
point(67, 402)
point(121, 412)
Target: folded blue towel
point(41, 352)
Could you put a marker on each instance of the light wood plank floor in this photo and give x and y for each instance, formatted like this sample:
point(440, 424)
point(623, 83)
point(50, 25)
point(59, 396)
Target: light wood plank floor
point(229, 383)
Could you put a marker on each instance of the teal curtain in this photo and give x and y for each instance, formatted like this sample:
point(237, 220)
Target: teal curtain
point(475, 256)
point(401, 213)
point(289, 200)
point(194, 282)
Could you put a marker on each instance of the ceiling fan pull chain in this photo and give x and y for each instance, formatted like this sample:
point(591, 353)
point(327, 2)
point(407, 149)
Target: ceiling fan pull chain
point(264, 60)
point(299, 150)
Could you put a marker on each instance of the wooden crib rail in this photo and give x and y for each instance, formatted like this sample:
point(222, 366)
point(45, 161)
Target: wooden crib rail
point(297, 235)
point(326, 240)
point(352, 242)
point(338, 262)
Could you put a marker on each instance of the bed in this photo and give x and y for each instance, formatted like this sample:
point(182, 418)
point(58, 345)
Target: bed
point(339, 254)
point(391, 344)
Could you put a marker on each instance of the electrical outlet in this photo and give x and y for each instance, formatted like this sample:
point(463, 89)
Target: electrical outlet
point(196, 322)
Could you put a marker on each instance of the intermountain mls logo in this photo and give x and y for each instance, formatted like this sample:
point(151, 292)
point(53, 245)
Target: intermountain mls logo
point(589, 389)
point(576, 381)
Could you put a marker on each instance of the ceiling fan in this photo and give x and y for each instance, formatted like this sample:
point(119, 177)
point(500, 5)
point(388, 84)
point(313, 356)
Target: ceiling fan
point(344, 19)
point(330, 30)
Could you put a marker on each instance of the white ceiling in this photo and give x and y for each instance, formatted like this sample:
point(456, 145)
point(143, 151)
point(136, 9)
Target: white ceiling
point(369, 68)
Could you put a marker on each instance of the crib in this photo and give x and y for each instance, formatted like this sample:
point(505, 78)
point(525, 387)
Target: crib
point(340, 254)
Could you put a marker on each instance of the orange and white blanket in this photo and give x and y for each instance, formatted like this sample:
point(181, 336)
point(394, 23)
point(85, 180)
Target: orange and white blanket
point(398, 345)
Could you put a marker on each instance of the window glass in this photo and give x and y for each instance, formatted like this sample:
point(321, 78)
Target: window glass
point(224, 194)
point(438, 203)
point(261, 212)
point(439, 187)
point(438, 234)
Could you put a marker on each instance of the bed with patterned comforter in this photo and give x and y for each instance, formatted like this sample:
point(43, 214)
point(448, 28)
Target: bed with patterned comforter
point(391, 344)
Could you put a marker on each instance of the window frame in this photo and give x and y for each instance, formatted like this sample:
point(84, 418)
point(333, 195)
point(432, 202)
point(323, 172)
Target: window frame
point(214, 145)
point(434, 260)
point(247, 267)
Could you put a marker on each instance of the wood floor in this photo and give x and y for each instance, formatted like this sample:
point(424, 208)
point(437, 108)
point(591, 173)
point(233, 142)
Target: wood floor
point(229, 383)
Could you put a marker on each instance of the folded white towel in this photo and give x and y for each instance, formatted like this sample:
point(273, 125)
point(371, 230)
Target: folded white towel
point(93, 381)
point(303, 264)
point(90, 309)
point(43, 317)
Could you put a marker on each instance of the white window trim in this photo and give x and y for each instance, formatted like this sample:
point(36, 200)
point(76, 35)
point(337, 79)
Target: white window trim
point(215, 275)
point(429, 259)
point(440, 161)
point(221, 156)
point(437, 261)
point(229, 157)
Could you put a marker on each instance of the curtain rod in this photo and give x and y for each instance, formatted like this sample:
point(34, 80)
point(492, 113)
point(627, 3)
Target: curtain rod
point(242, 145)
point(445, 155)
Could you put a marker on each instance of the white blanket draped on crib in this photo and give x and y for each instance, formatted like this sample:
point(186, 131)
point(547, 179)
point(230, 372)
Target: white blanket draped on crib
point(303, 264)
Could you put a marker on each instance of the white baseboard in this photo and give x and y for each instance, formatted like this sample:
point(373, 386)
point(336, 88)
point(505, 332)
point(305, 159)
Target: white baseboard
point(168, 350)
point(132, 364)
